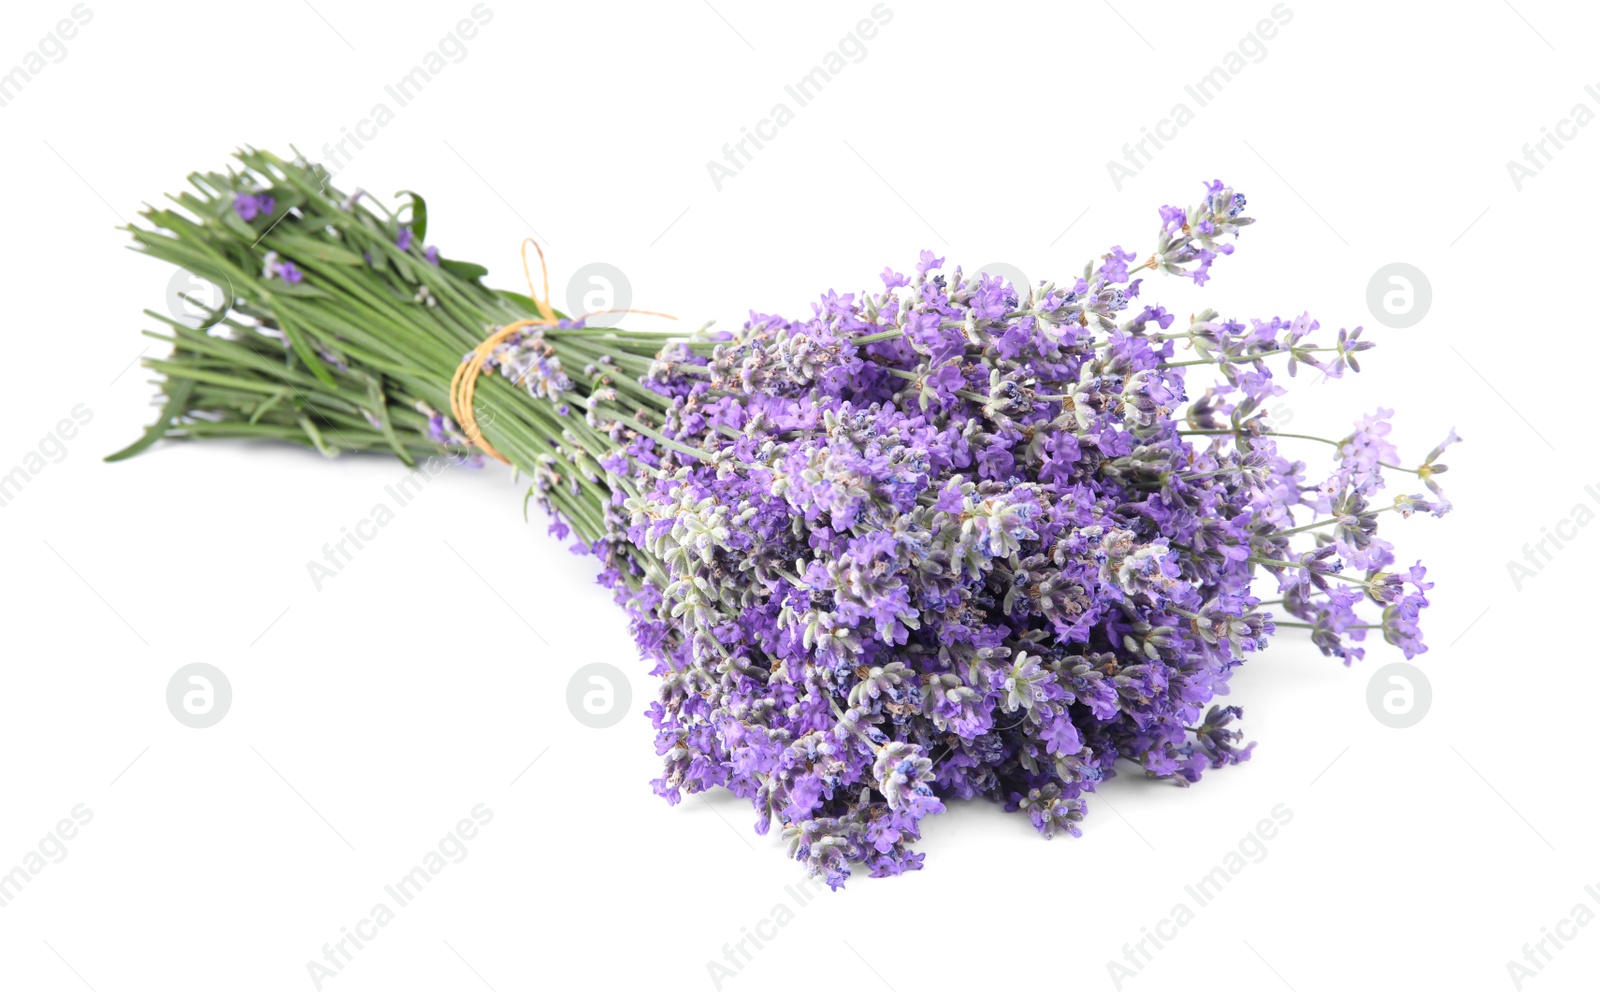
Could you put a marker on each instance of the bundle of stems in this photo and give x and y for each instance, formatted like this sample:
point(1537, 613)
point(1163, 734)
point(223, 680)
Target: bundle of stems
point(352, 345)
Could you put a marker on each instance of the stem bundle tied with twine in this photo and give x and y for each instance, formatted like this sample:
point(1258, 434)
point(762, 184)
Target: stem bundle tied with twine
point(346, 333)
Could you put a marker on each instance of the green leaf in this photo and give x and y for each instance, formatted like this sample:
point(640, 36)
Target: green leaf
point(380, 405)
point(470, 271)
point(158, 430)
point(233, 222)
point(316, 437)
point(303, 348)
point(419, 215)
point(302, 247)
point(262, 409)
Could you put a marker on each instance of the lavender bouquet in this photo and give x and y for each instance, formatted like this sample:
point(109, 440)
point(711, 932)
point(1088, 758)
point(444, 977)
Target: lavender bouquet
point(948, 539)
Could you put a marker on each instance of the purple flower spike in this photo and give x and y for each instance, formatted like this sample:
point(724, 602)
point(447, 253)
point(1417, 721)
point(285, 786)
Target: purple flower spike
point(249, 206)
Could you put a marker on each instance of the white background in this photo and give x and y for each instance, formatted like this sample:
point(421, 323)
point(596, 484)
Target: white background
point(369, 717)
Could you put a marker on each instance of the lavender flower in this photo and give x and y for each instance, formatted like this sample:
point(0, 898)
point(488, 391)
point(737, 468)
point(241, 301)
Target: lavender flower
point(249, 206)
point(967, 536)
point(274, 267)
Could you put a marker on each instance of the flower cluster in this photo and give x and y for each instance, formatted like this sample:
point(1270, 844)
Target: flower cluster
point(961, 539)
point(275, 267)
point(249, 206)
point(406, 237)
